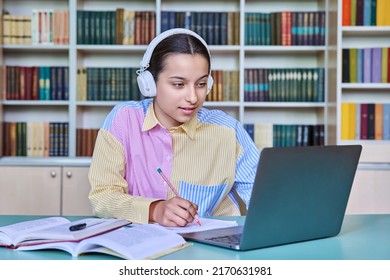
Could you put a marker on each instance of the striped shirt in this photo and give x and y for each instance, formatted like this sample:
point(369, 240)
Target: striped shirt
point(210, 160)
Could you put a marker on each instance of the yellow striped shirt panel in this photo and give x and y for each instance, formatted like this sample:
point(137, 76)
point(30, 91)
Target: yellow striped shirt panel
point(109, 193)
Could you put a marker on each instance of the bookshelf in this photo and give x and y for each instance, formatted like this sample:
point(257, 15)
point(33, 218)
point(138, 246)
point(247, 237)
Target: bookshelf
point(237, 56)
point(369, 88)
point(359, 86)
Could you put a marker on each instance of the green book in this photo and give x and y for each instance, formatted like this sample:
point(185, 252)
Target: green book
point(92, 27)
point(98, 27)
point(107, 84)
point(87, 27)
point(48, 85)
point(282, 85)
point(309, 92)
point(101, 83)
point(373, 13)
point(315, 86)
point(293, 84)
point(303, 96)
point(299, 85)
point(120, 83)
point(385, 56)
point(353, 12)
point(353, 65)
point(114, 90)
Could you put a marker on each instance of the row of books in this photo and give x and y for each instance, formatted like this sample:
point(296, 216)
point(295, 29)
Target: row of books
point(85, 141)
point(35, 139)
point(367, 65)
point(45, 27)
point(119, 84)
point(35, 82)
point(120, 27)
point(285, 28)
point(216, 28)
point(107, 84)
point(360, 121)
point(225, 87)
point(365, 13)
point(285, 135)
point(284, 85)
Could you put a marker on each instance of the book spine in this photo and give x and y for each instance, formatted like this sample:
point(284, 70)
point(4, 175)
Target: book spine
point(371, 121)
point(386, 121)
point(367, 65)
point(363, 121)
point(376, 68)
point(384, 63)
point(367, 12)
point(359, 12)
point(378, 121)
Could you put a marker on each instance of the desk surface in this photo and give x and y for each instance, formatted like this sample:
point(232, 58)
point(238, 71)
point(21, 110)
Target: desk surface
point(362, 237)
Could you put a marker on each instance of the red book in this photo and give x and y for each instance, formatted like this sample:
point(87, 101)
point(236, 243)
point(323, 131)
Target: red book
point(4, 80)
point(284, 28)
point(17, 83)
point(289, 29)
point(363, 121)
point(28, 83)
point(346, 13)
point(35, 83)
point(138, 28)
point(22, 83)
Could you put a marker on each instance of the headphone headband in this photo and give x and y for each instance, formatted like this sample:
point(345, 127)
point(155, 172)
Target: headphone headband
point(153, 44)
point(145, 79)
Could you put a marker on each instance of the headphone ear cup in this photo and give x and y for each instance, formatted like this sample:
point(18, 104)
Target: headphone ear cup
point(146, 84)
point(210, 82)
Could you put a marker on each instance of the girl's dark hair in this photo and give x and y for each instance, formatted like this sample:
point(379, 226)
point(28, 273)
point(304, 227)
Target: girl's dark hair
point(176, 44)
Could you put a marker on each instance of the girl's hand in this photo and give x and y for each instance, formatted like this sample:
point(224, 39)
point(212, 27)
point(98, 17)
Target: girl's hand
point(173, 212)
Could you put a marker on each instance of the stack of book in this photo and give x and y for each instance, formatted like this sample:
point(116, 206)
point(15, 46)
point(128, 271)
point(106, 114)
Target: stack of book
point(285, 135)
point(366, 13)
point(119, 27)
point(284, 85)
point(216, 28)
point(85, 141)
point(366, 65)
point(43, 27)
point(285, 28)
point(361, 121)
point(225, 87)
point(35, 82)
point(35, 139)
point(108, 84)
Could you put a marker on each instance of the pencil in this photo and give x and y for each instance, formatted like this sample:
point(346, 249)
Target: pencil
point(173, 189)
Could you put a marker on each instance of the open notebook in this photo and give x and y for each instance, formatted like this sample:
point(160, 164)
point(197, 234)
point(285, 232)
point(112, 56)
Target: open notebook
point(299, 194)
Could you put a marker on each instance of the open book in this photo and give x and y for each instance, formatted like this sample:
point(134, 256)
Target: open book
point(146, 241)
point(55, 229)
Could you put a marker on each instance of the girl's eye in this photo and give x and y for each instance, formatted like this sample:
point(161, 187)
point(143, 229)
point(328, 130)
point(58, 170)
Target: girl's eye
point(202, 84)
point(178, 84)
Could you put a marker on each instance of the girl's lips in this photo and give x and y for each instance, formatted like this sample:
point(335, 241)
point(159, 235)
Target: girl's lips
point(187, 111)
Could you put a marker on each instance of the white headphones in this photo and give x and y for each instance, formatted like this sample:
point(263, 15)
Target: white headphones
point(145, 79)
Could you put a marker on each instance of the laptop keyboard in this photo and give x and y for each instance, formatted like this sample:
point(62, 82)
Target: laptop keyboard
point(228, 239)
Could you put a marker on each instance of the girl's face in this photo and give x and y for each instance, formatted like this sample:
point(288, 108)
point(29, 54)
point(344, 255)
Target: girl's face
point(181, 89)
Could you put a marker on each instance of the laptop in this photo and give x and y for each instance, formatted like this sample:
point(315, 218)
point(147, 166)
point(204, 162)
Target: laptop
point(299, 194)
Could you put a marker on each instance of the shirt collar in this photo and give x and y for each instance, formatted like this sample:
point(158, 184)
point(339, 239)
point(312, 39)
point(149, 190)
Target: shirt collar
point(151, 121)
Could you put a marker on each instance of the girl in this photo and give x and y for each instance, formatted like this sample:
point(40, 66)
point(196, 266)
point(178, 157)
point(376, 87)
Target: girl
point(206, 154)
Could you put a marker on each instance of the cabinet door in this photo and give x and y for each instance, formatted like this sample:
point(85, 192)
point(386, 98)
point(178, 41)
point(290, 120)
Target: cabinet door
point(75, 192)
point(370, 193)
point(30, 190)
